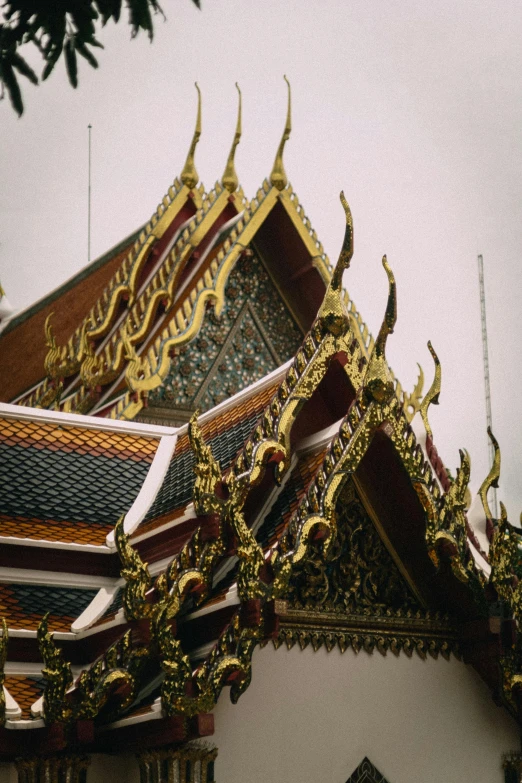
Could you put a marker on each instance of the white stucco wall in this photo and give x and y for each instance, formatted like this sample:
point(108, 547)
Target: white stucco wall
point(311, 717)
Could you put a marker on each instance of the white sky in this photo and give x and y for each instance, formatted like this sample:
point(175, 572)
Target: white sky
point(414, 108)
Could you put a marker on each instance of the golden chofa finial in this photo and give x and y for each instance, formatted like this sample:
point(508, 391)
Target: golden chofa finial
point(378, 382)
point(492, 478)
point(433, 393)
point(230, 180)
point(345, 256)
point(278, 176)
point(189, 175)
point(332, 312)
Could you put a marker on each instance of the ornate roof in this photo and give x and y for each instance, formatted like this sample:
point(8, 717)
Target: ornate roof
point(298, 499)
point(305, 509)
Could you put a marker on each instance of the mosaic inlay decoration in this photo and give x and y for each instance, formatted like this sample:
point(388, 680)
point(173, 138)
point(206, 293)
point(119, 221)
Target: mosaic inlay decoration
point(254, 335)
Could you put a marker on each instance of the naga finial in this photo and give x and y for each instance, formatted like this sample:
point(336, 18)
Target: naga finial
point(206, 468)
point(50, 339)
point(230, 179)
point(189, 175)
point(492, 478)
point(345, 256)
point(433, 393)
point(278, 176)
point(378, 382)
point(332, 312)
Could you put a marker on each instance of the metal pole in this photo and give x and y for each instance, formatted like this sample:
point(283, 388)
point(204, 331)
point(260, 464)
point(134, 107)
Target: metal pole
point(485, 357)
point(89, 203)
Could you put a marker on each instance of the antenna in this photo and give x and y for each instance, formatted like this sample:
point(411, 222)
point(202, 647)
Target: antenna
point(89, 203)
point(487, 388)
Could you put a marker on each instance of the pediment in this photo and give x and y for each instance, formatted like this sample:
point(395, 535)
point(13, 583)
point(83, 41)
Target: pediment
point(359, 575)
point(366, 773)
point(252, 335)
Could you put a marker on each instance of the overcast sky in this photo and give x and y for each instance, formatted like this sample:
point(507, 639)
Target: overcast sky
point(414, 108)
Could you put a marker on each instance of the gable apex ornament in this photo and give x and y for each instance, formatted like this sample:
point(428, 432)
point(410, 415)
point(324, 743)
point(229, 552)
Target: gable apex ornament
point(278, 176)
point(189, 176)
point(230, 179)
point(378, 382)
point(366, 773)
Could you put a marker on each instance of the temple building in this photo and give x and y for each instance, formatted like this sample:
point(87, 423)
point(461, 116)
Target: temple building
point(229, 548)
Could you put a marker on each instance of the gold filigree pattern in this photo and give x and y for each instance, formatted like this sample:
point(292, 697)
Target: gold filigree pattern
point(378, 381)
point(189, 175)
point(278, 176)
point(446, 530)
point(358, 574)
point(492, 478)
point(136, 574)
point(230, 179)
point(407, 632)
point(58, 676)
point(505, 557)
point(433, 393)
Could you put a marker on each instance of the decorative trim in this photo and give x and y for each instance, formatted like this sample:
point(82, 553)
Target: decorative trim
point(73, 769)
point(366, 773)
point(406, 632)
point(191, 764)
point(83, 421)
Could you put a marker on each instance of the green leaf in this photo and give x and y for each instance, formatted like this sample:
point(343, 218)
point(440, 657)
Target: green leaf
point(70, 62)
point(82, 49)
point(22, 67)
point(11, 84)
point(52, 59)
point(140, 18)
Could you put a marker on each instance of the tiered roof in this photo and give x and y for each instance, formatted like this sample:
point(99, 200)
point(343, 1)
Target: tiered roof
point(143, 564)
point(167, 286)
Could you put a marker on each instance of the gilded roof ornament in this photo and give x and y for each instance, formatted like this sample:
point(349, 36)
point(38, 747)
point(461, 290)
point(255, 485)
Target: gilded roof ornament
point(189, 176)
point(332, 312)
point(346, 254)
point(278, 176)
point(230, 179)
point(50, 340)
point(378, 382)
point(492, 478)
point(433, 393)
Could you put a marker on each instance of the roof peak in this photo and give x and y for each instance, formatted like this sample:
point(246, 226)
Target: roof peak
point(189, 175)
point(278, 176)
point(230, 179)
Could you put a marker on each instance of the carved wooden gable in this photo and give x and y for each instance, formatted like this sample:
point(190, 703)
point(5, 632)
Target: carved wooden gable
point(359, 576)
point(253, 335)
point(366, 773)
point(357, 597)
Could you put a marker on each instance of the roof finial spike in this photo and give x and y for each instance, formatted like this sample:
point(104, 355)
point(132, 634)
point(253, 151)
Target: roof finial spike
point(390, 316)
point(278, 176)
point(189, 175)
point(230, 179)
point(492, 478)
point(345, 256)
point(378, 381)
point(433, 393)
